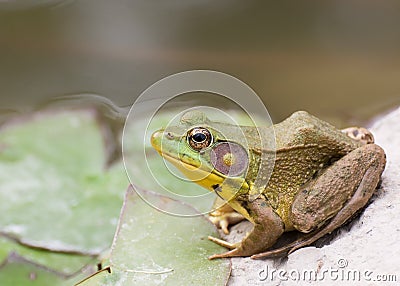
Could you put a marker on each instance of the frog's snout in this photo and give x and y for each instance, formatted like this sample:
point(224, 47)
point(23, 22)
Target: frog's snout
point(156, 138)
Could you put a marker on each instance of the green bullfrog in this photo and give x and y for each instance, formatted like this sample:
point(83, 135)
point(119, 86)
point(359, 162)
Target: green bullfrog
point(316, 177)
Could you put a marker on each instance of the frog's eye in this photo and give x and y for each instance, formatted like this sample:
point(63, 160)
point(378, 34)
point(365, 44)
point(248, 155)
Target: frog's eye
point(199, 138)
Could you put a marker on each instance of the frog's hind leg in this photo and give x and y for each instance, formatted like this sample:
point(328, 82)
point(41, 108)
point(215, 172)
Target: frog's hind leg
point(340, 191)
point(336, 194)
point(268, 227)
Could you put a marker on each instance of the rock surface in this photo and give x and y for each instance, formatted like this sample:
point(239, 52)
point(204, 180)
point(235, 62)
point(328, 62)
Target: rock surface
point(366, 252)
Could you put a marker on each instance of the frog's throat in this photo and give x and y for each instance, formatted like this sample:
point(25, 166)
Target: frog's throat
point(206, 179)
point(194, 173)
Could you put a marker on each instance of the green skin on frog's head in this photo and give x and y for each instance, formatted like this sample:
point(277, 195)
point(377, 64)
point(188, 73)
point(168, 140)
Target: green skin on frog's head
point(205, 155)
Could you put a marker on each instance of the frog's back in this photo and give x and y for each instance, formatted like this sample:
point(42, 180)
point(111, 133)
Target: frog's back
point(302, 128)
point(304, 146)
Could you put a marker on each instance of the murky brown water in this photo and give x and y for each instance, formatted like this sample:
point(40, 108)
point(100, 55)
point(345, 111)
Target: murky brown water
point(339, 60)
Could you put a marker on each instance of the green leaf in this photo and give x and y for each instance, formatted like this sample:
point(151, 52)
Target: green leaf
point(54, 187)
point(16, 270)
point(64, 263)
point(154, 248)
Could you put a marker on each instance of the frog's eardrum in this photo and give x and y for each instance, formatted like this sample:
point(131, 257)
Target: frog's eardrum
point(230, 159)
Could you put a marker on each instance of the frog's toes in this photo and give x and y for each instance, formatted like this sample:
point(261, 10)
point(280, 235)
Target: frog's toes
point(231, 253)
point(220, 222)
point(360, 134)
point(224, 220)
point(236, 252)
point(222, 242)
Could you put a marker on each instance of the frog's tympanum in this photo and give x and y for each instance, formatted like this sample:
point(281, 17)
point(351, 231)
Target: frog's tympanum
point(321, 176)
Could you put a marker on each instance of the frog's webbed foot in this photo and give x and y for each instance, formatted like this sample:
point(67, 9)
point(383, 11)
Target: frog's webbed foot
point(224, 215)
point(360, 134)
point(268, 227)
point(305, 240)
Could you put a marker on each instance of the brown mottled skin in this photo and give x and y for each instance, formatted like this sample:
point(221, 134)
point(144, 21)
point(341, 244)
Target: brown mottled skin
point(321, 178)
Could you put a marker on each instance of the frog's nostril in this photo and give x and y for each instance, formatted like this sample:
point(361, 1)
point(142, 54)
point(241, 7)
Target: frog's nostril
point(169, 135)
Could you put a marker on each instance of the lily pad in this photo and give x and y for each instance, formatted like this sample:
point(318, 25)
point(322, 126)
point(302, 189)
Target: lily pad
point(154, 248)
point(16, 270)
point(54, 186)
point(63, 263)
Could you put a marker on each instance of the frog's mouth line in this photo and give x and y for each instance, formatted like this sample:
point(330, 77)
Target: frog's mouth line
point(179, 163)
point(210, 180)
point(202, 177)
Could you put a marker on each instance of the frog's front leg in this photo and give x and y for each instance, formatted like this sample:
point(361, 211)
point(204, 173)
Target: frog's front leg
point(268, 227)
point(360, 134)
point(335, 196)
point(224, 215)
